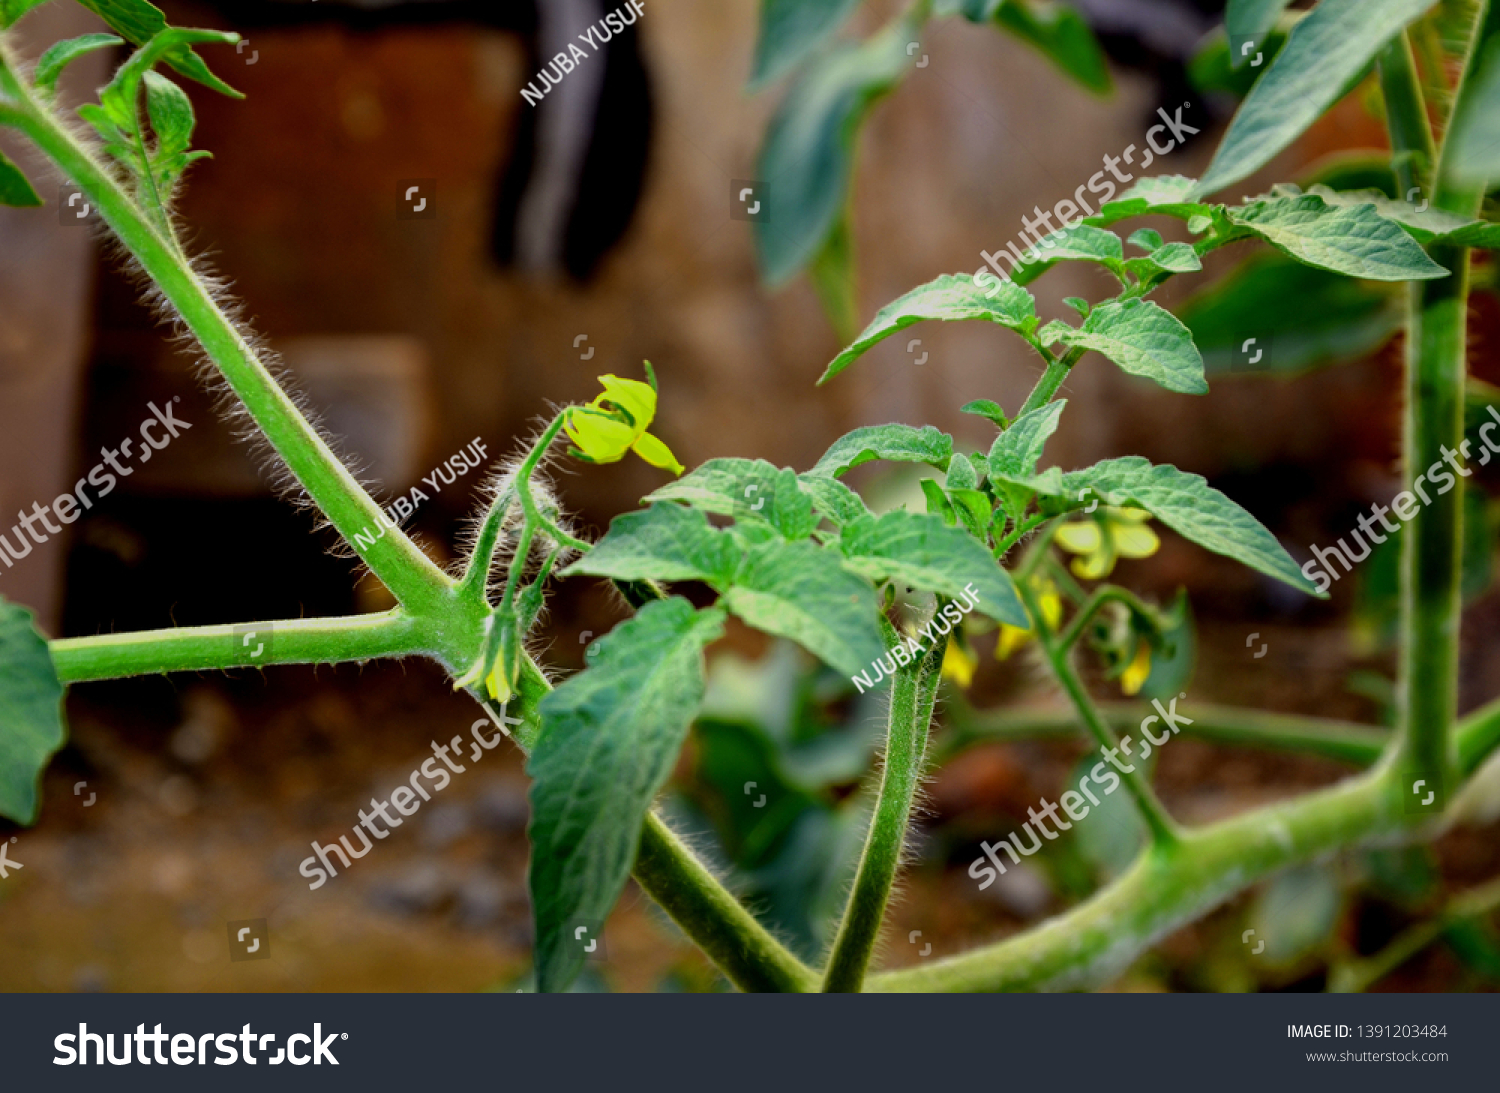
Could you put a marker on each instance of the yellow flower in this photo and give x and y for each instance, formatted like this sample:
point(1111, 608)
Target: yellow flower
point(1113, 534)
point(1140, 669)
point(1013, 637)
point(959, 662)
point(616, 423)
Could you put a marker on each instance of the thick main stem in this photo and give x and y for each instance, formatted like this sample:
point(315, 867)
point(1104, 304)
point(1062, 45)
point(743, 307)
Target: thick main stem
point(912, 695)
point(410, 575)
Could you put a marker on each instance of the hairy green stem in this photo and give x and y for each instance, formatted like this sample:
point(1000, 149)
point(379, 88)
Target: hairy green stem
point(1164, 832)
point(912, 695)
point(1051, 380)
point(410, 575)
point(251, 645)
point(1345, 742)
point(1165, 888)
point(1407, 119)
point(739, 945)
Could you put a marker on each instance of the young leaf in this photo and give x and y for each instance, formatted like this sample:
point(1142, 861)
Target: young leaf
point(611, 736)
point(919, 550)
point(1146, 240)
point(1016, 451)
point(1082, 242)
point(1303, 316)
point(1176, 258)
point(1324, 53)
point(975, 510)
point(138, 21)
point(894, 443)
point(796, 591)
point(791, 30)
point(938, 503)
point(171, 114)
point(1187, 504)
point(15, 190)
point(1354, 240)
point(833, 499)
point(985, 408)
point(665, 543)
point(961, 474)
point(1164, 195)
point(808, 154)
point(951, 297)
point(1142, 339)
point(50, 67)
point(748, 490)
point(31, 725)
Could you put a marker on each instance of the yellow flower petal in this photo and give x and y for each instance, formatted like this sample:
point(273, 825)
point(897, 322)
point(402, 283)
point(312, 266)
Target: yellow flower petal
point(1135, 541)
point(634, 397)
point(959, 663)
point(656, 453)
point(597, 435)
point(1094, 566)
point(1079, 538)
point(1011, 639)
point(1130, 515)
point(495, 683)
point(1140, 669)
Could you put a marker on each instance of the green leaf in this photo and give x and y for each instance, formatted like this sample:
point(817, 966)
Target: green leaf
point(171, 113)
point(1146, 240)
point(31, 715)
point(961, 474)
point(15, 190)
point(1251, 19)
point(611, 737)
point(1016, 451)
point(1141, 338)
point(975, 510)
point(12, 10)
point(791, 30)
point(1324, 52)
point(1164, 195)
point(833, 499)
point(951, 297)
point(1296, 914)
point(748, 490)
point(665, 543)
point(833, 278)
point(919, 550)
point(1082, 242)
point(1473, 150)
point(50, 67)
point(796, 591)
point(985, 408)
point(1354, 240)
point(1188, 505)
point(1426, 226)
point(1055, 30)
point(1305, 316)
point(1175, 258)
point(808, 155)
point(938, 502)
point(894, 443)
point(139, 22)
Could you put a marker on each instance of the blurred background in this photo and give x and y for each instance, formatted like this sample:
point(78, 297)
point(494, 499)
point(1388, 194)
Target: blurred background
point(437, 261)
